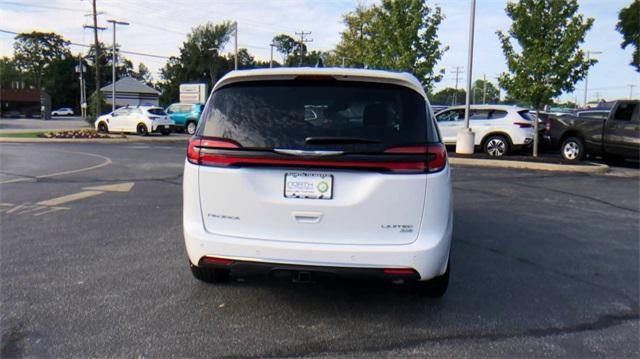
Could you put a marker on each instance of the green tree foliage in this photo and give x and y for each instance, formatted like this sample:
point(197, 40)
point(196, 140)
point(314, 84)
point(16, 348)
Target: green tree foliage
point(286, 45)
point(199, 61)
point(10, 73)
point(548, 34)
point(629, 26)
point(91, 109)
point(61, 82)
point(35, 51)
point(448, 96)
point(143, 74)
point(395, 35)
point(484, 89)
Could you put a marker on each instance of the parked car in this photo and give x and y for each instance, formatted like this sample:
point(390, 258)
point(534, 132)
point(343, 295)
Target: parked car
point(185, 116)
point(63, 111)
point(141, 120)
point(498, 128)
point(343, 192)
point(616, 136)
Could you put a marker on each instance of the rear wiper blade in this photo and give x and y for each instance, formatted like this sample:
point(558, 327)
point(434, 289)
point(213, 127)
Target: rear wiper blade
point(337, 140)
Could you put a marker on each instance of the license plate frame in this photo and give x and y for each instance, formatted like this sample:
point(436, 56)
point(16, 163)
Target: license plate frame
point(308, 185)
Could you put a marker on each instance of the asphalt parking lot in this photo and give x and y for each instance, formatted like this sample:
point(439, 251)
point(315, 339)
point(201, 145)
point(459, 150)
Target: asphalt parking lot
point(544, 265)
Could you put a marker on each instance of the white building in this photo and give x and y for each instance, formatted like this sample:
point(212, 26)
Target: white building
point(132, 92)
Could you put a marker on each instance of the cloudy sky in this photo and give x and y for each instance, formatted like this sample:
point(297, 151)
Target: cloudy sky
point(159, 28)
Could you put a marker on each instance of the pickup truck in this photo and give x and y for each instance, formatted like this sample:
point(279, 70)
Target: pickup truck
point(616, 136)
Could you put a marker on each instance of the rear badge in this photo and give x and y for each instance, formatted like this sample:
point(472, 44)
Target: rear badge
point(402, 228)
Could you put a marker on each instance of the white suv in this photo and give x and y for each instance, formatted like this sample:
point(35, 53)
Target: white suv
point(309, 171)
point(141, 120)
point(498, 128)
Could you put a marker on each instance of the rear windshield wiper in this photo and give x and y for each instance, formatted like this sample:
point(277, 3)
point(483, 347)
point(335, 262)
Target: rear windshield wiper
point(337, 140)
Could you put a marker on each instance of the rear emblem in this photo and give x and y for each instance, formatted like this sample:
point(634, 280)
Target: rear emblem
point(323, 187)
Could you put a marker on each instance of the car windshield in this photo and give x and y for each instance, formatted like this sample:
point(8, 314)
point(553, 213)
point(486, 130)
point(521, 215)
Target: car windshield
point(156, 111)
point(354, 116)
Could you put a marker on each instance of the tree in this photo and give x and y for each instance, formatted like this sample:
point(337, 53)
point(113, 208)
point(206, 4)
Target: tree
point(245, 59)
point(548, 34)
point(395, 35)
point(629, 26)
point(200, 60)
point(286, 45)
point(484, 91)
point(143, 74)
point(448, 96)
point(35, 51)
point(10, 73)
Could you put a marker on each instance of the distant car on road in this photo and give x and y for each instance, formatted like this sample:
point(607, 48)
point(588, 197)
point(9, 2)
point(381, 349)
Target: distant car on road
point(319, 171)
point(618, 135)
point(63, 111)
point(498, 128)
point(141, 120)
point(185, 115)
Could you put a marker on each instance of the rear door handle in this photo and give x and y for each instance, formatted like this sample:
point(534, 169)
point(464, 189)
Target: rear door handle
point(307, 217)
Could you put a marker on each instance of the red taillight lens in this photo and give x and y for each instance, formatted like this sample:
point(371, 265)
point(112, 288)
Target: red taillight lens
point(195, 153)
point(436, 154)
point(548, 125)
point(399, 271)
point(523, 124)
point(216, 260)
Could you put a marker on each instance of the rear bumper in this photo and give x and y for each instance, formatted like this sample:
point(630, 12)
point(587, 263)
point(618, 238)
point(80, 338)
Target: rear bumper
point(427, 255)
point(160, 128)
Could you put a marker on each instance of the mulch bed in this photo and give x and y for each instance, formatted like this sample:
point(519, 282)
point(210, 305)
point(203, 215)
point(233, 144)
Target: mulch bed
point(84, 133)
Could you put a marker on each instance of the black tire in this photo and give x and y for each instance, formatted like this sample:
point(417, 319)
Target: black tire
point(102, 127)
point(142, 130)
point(190, 127)
point(436, 287)
point(496, 146)
point(572, 149)
point(165, 132)
point(210, 275)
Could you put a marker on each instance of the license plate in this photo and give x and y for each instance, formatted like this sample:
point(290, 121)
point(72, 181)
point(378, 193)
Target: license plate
point(308, 185)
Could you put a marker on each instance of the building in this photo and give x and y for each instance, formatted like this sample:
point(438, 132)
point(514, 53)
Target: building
point(23, 102)
point(132, 92)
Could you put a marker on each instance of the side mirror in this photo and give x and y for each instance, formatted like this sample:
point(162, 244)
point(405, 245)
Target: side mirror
point(114, 114)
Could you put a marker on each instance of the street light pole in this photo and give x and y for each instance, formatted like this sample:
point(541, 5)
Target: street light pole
point(271, 58)
point(586, 76)
point(113, 63)
point(235, 26)
point(465, 139)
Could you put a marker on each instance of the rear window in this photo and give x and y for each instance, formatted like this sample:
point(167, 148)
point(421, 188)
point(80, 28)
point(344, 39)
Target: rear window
point(526, 115)
point(156, 111)
point(351, 116)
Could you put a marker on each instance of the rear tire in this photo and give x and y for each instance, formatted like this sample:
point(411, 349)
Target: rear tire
point(142, 130)
point(210, 275)
point(436, 287)
point(190, 128)
point(165, 132)
point(572, 149)
point(102, 127)
point(496, 146)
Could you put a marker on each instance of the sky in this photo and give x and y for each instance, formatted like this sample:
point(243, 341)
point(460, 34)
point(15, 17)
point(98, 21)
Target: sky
point(159, 27)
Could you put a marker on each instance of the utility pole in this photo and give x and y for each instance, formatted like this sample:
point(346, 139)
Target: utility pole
point(631, 86)
point(235, 45)
point(586, 76)
point(465, 137)
point(484, 89)
point(96, 44)
point(83, 101)
point(342, 61)
point(302, 41)
point(113, 62)
point(271, 45)
point(457, 70)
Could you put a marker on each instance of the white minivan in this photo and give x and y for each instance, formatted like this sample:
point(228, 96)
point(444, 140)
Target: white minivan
point(315, 171)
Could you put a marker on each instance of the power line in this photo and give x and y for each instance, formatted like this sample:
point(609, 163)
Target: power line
point(85, 45)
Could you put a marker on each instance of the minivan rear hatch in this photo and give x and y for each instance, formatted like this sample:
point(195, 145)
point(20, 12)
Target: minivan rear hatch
point(314, 161)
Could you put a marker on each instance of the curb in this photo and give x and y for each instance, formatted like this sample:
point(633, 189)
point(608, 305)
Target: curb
point(554, 167)
point(93, 140)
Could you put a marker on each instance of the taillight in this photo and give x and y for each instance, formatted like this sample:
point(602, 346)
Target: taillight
point(196, 150)
point(436, 154)
point(548, 125)
point(216, 260)
point(523, 124)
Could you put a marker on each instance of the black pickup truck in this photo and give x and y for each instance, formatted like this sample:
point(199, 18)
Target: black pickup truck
point(617, 136)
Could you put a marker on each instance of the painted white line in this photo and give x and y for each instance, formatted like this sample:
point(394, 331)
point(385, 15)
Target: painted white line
point(107, 161)
point(69, 198)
